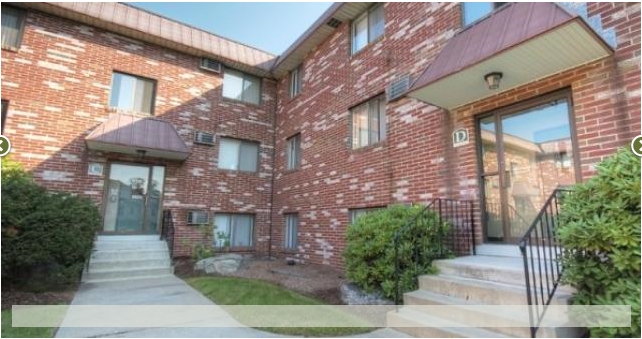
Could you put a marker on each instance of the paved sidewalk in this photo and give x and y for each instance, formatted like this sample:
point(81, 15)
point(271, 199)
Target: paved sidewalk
point(168, 290)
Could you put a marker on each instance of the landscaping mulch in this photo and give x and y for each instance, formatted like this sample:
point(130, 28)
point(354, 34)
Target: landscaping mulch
point(12, 296)
point(318, 281)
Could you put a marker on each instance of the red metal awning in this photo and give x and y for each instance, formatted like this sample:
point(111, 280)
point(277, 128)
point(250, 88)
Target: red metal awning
point(128, 134)
point(526, 41)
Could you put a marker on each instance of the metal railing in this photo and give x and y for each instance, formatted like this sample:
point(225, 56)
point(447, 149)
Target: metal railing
point(167, 231)
point(542, 252)
point(454, 229)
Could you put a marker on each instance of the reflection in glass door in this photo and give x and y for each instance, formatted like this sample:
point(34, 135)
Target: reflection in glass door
point(133, 199)
point(525, 155)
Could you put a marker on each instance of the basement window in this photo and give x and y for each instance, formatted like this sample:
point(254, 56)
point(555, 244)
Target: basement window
point(356, 213)
point(234, 230)
point(291, 231)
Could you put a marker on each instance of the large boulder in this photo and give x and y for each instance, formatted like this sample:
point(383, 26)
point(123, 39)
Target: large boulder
point(221, 264)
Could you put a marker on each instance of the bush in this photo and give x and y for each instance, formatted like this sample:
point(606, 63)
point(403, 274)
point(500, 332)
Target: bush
point(370, 251)
point(46, 236)
point(601, 236)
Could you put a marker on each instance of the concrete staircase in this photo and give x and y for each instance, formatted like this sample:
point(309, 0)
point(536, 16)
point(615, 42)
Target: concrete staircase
point(453, 302)
point(123, 257)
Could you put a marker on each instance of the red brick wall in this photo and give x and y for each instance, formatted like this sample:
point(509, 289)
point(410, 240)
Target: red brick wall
point(417, 163)
point(333, 177)
point(58, 86)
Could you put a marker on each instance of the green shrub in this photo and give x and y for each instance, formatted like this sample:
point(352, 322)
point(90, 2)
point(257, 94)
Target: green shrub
point(46, 236)
point(601, 236)
point(370, 251)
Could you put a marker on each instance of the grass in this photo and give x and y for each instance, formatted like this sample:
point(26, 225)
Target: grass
point(23, 332)
point(239, 291)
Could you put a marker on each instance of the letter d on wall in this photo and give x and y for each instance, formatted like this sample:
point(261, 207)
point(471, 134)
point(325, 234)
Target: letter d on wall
point(460, 137)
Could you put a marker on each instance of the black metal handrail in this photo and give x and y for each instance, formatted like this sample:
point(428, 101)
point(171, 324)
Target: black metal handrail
point(167, 231)
point(542, 252)
point(459, 238)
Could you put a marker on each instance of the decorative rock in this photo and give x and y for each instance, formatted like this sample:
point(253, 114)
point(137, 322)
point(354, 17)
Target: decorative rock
point(221, 264)
point(351, 294)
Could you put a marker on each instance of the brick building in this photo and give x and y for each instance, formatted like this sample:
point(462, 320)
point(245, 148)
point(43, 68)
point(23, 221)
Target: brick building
point(375, 104)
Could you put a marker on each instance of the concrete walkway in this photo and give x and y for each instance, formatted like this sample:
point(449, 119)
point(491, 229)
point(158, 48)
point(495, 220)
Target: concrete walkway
point(168, 290)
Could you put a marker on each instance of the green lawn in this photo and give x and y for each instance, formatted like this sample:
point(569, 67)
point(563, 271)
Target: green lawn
point(23, 332)
point(238, 291)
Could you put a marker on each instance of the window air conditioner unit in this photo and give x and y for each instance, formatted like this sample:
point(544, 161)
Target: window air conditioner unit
point(204, 138)
point(398, 88)
point(210, 65)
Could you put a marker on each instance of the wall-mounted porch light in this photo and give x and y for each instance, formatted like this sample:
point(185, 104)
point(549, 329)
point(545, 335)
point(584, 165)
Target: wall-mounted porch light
point(492, 79)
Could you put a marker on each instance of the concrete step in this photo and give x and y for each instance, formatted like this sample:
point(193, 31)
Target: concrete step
point(503, 319)
point(131, 254)
point(130, 245)
point(485, 292)
point(498, 269)
point(109, 275)
point(420, 324)
point(121, 238)
point(127, 264)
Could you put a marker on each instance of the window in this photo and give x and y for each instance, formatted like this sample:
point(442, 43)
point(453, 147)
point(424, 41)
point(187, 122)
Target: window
point(359, 212)
point(13, 21)
point(240, 155)
point(369, 123)
point(240, 86)
point(294, 151)
point(5, 106)
point(197, 217)
point(295, 82)
point(291, 230)
point(132, 93)
point(234, 230)
point(367, 28)
point(473, 11)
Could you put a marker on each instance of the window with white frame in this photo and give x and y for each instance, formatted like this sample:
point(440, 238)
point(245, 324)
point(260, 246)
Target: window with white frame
point(291, 230)
point(356, 213)
point(132, 93)
point(369, 122)
point(238, 155)
point(367, 28)
point(295, 82)
point(233, 230)
point(473, 11)
point(13, 20)
point(241, 86)
point(293, 151)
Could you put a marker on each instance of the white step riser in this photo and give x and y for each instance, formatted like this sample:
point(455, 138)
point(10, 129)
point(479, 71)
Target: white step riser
point(410, 323)
point(115, 275)
point(464, 316)
point(457, 288)
point(115, 255)
point(130, 245)
point(487, 274)
point(128, 264)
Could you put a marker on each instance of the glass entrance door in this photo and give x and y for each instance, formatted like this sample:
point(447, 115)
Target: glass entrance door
point(526, 153)
point(133, 199)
